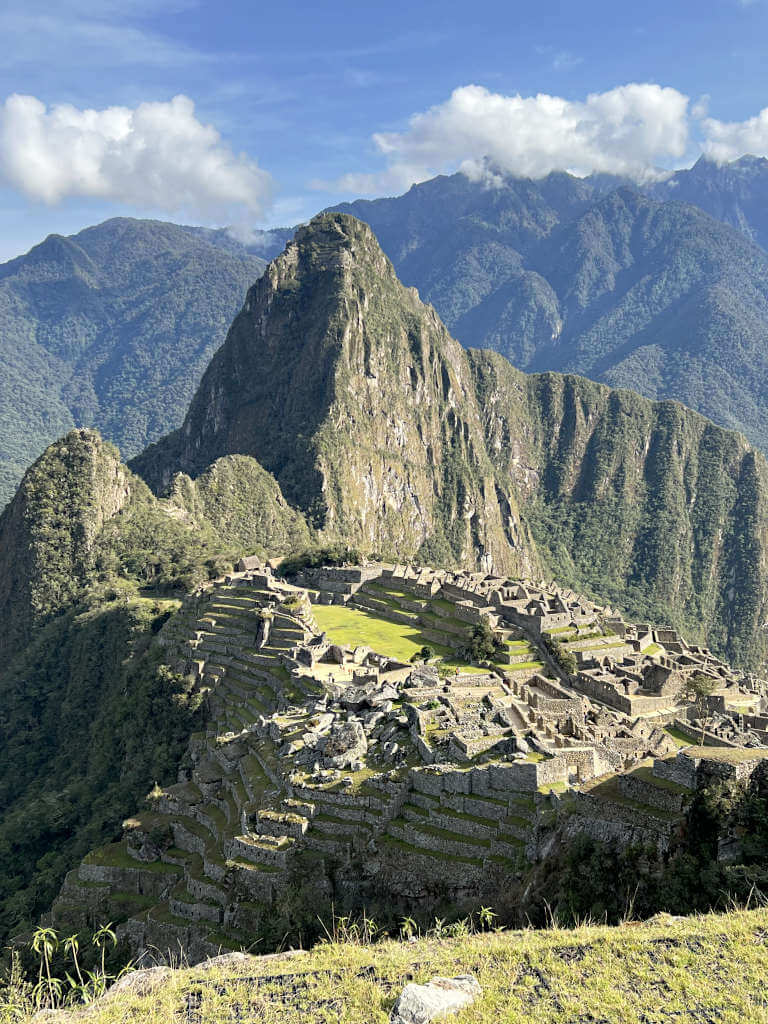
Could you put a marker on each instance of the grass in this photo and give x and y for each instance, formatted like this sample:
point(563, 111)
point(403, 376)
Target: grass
point(352, 627)
point(679, 737)
point(651, 649)
point(728, 755)
point(666, 971)
point(116, 856)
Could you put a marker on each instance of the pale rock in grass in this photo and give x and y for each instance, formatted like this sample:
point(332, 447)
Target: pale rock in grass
point(420, 1004)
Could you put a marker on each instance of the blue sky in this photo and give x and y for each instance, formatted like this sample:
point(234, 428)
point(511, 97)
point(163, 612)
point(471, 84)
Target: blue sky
point(287, 108)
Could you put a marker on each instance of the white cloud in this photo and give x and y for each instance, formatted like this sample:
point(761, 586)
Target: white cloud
point(627, 130)
point(156, 157)
point(728, 140)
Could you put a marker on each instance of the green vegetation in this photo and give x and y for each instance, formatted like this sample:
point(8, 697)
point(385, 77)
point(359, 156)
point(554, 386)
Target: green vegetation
point(111, 328)
point(562, 657)
point(91, 719)
point(698, 689)
point(485, 645)
point(244, 506)
point(691, 878)
point(311, 558)
point(680, 738)
point(355, 627)
point(677, 969)
point(656, 297)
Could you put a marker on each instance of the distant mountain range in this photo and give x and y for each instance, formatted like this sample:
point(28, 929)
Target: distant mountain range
point(595, 277)
point(113, 327)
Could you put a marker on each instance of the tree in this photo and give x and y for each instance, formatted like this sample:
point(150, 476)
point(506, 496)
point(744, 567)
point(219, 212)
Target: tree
point(485, 645)
point(698, 689)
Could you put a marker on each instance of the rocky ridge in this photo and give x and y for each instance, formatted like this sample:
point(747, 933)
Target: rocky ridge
point(387, 435)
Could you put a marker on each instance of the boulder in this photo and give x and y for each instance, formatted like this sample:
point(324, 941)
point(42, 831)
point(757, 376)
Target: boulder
point(344, 744)
point(420, 1004)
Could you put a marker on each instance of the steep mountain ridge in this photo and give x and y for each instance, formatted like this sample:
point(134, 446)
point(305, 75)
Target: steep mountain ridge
point(567, 274)
point(82, 520)
point(351, 392)
point(110, 328)
point(735, 192)
point(114, 327)
point(389, 436)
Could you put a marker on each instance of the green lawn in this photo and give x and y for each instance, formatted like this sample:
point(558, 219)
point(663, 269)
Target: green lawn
point(651, 649)
point(352, 627)
point(681, 740)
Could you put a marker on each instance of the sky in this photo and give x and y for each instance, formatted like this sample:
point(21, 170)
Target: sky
point(255, 115)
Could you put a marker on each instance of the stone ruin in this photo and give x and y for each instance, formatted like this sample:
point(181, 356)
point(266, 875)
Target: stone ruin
point(331, 767)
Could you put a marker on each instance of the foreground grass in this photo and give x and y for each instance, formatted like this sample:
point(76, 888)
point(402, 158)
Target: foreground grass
point(701, 970)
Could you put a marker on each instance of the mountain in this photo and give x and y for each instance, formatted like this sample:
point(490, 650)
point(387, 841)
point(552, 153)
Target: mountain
point(735, 193)
point(111, 328)
point(80, 519)
point(389, 436)
point(91, 566)
point(560, 274)
point(339, 410)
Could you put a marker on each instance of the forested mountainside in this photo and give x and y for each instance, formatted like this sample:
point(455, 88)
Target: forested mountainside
point(81, 519)
point(91, 566)
point(735, 193)
point(111, 328)
point(390, 437)
point(560, 274)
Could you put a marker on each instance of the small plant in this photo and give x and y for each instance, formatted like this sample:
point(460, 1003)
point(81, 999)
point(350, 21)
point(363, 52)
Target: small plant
point(362, 931)
point(698, 689)
point(19, 997)
point(16, 994)
point(487, 917)
point(47, 991)
point(408, 928)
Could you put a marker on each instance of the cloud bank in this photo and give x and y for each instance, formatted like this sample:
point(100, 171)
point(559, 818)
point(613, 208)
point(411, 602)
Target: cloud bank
point(632, 130)
point(626, 130)
point(728, 140)
point(156, 157)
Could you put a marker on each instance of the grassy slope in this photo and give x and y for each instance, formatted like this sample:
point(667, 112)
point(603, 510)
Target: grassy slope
point(685, 971)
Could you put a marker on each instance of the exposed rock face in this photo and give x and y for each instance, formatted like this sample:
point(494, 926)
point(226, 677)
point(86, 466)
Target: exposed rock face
point(351, 391)
point(389, 436)
point(646, 503)
point(345, 744)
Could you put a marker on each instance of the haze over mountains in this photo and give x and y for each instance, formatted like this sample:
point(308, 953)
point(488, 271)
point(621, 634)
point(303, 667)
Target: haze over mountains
point(114, 327)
